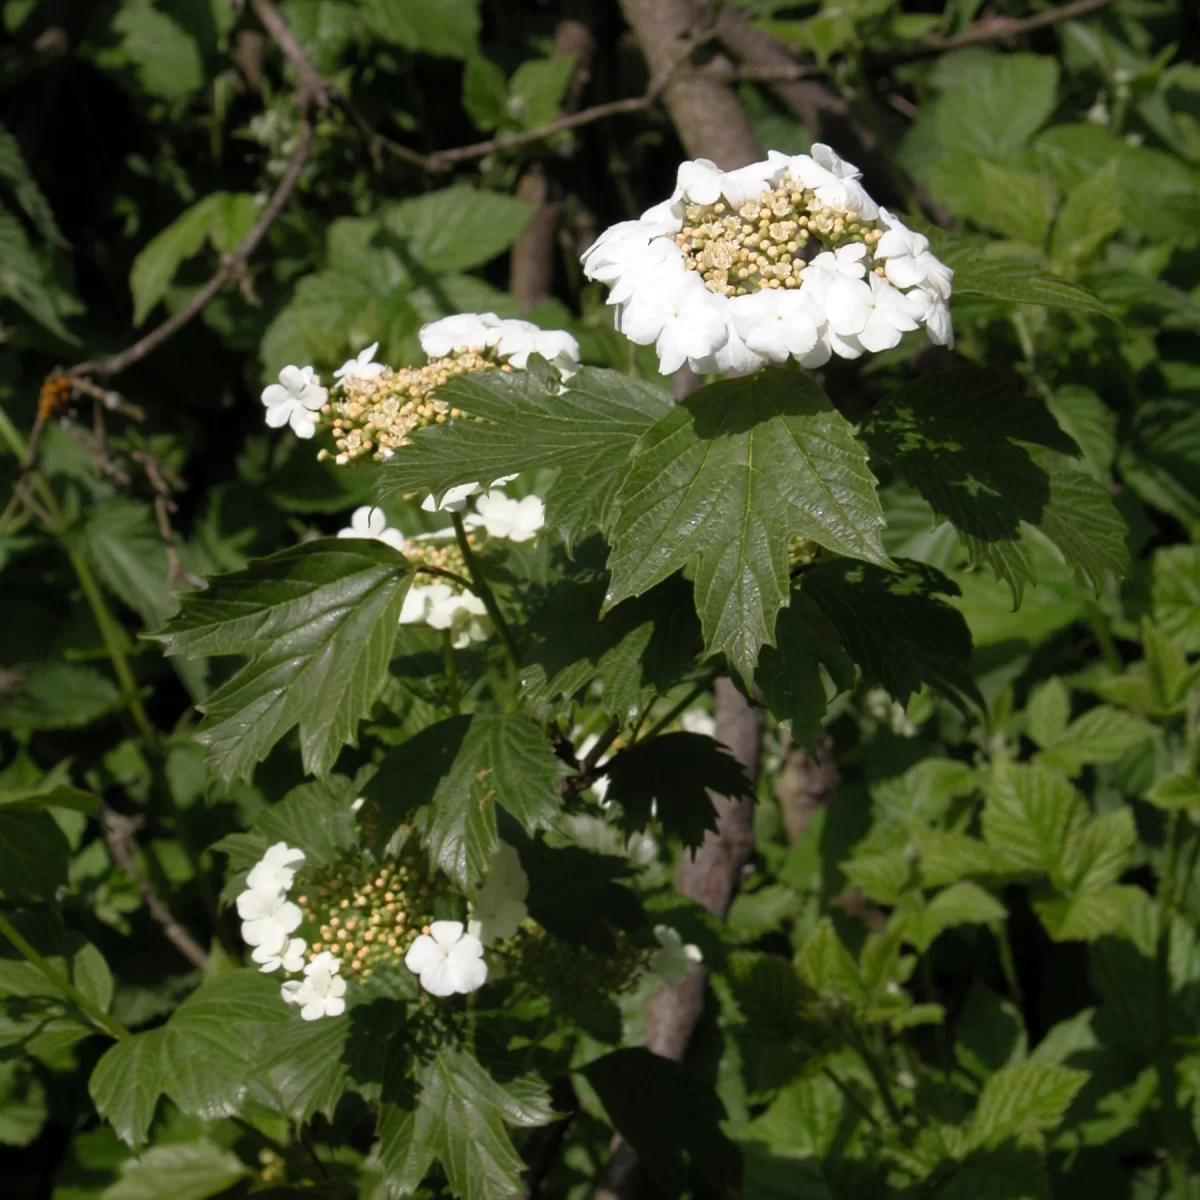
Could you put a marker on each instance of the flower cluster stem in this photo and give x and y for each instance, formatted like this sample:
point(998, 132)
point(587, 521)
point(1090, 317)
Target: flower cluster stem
point(451, 672)
point(92, 1010)
point(481, 587)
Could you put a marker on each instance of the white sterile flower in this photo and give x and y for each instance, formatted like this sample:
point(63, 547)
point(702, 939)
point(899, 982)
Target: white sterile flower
point(607, 257)
point(834, 180)
point(935, 313)
point(455, 499)
point(696, 720)
point(846, 262)
point(322, 990)
point(777, 324)
point(655, 261)
point(276, 870)
point(909, 261)
point(420, 600)
point(520, 339)
point(472, 330)
point(463, 614)
point(504, 517)
point(448, 960)
point(267, 918)
point(672, 958)
point(874, 312)
point(369, 522)
point(363, 366)
point(700, 180)
point(293, 400)
point(680, 316)
point(499, 905)
point(289, 956)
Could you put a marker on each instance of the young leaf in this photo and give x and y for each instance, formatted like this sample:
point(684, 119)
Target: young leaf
point(460, 770)
point(676, 770)
point(526, 420)
point(1175, 594)
point(459, 227)
point(56, 695)
point(124, 547)
point(1177, 791)
point(445, 27)
point(723, 482)
point(126, 1084)
point(962, 903)
point(1031, 814)
point(1102, 735)
point(895, 628)
point(1025, 1099)
point(485, 92)
point(318, 622)
point(668, 1116)
point(187, 1171)
point(995, 108)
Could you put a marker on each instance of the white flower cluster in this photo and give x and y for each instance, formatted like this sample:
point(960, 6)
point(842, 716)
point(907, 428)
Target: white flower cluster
point(787, 258)
point(376, 408)
point(269, 919)
point(439, 604)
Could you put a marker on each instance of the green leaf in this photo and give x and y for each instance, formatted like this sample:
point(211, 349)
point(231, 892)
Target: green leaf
point(124, 547)
point(318, 622)
point(406, 1140)
point(211, 1044)
point(789, 673)
point(23, 279)
point(51, 791)
point(1091, 424)
point(1160, 459)
point(525, 420)
point(222, 218)
point(1048, 712)
point(1011, 1173)
point(461, 770)
point(722, 483)
point(896, 628)
point(126, 1083)
point(449, 28)
point(1175, 595)
point(826, 966)
point(165, 58)
point(1173, 792)
point(1021, 283)
point(638, 651)
point(989, 1032)
point(15, 171)
point(537, 87)
point(457, 228)
point(678, 770)
point(1022, 1100)
point(576, 895)
point(1090, 215)
point(23, 1109)
point(56, 695)
point(668, 1116)
point(998, 105)
point(466, 1112)
point(189, 1171)
point(962, 903)
point(485, 92)
point(1087, 916)
point(961, 438)
point(1101, 735)
point(301, 1063)
point(33, 855)
point(1007, 200)
point(1031, 814)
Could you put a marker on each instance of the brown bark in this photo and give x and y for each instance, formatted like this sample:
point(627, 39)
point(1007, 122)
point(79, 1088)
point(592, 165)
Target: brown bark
point(706, 112)
point(806, 785)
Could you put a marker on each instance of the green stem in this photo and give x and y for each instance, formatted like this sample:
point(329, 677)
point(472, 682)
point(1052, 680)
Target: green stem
point(879, 1076)
point(945, 1051)
point(850, 1094)
point(481, 588)
point(1098, 624)
point(1167, 1085)
point(451, 672)
point(1007, 963)
point(679, 708)
point(62, 983)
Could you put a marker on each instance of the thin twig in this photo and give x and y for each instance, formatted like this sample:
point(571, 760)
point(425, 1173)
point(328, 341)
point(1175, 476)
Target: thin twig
point(233, 266)
point(119, 835)
point(995, 29)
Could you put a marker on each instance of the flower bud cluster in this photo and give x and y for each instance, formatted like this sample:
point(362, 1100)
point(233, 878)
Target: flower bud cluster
point(574, 976)
point(786, 258)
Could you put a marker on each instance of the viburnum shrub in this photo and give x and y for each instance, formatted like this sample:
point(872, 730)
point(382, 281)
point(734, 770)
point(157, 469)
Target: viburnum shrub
point(737, 734)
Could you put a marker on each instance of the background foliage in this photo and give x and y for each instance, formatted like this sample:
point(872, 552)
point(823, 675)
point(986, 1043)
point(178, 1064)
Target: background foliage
point(964, 961)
